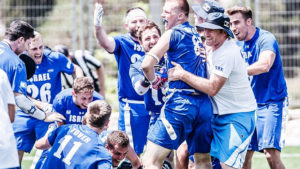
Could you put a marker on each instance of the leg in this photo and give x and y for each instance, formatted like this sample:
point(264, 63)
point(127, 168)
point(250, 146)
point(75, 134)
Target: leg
point(248, 160)
point(273, 158)
point(202, 161)
point(225, 166)
point(154, 156)
point(20, 154)
point(182, 157)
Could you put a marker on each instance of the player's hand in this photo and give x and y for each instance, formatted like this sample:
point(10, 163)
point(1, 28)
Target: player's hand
point(54, 116)
point(142, 86)
point(176, 72)
point(98, 14)
point(158, 82)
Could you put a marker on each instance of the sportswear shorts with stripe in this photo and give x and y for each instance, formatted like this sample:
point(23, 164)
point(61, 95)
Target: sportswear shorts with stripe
point(231, 137)
point(27, 130)
point(182, 118)
point(270, 128)
point(134, 120)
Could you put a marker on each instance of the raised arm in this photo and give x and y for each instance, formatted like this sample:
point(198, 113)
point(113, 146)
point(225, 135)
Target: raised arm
point(107, 42)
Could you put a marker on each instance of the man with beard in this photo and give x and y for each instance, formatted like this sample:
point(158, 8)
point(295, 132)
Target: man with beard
point(127, 51)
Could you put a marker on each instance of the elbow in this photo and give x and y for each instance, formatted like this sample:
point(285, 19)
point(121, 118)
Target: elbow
point(212, 93)
point(266, 68)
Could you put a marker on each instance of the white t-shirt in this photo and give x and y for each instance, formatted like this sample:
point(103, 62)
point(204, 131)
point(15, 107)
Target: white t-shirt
point(236, 94)
point(8, 147)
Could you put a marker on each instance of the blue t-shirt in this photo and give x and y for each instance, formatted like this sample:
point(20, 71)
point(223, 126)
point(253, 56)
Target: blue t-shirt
point(184, 49)
point(127, 52)
point(153, 98)
point(45, 84)
point(77, 146)
point(14, 68)
point(64, 104)
point(269, 86)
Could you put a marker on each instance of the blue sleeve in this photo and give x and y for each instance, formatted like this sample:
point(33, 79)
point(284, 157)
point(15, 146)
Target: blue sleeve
point(65, 64)
point(118, 46)
point(268, 42)
point(52, 135)
point(19, 81)
point(104, 164)
point(135, 71)
point(174, 39)
point(58, 104)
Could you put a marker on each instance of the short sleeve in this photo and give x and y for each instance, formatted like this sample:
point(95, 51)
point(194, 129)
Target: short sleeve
point(223, 64)
point(19, 81)
point(65, 64)
point(268, 42)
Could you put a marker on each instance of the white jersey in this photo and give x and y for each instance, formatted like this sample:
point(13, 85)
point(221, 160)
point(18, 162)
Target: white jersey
point(8, 146)
point(236, 94)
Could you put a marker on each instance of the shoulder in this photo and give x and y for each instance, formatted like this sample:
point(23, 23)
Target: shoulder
point(266, 35)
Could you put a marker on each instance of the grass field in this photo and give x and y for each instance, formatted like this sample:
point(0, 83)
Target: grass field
point(290, 157)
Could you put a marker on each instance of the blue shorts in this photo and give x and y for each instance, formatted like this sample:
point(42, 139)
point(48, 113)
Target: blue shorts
point(134, 120)
point(270, 128)
point(231, 136)
point(27, 130)
point(184, 117)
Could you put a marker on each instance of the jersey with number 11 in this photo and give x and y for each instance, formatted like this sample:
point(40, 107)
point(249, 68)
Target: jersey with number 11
point(76, 146)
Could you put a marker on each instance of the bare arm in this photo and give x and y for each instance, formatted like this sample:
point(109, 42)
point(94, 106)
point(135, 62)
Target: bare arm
point(11, 112)
point(158, 50)
point(264, 63)
point(133, 158)
point(107, 42)
point(43, 143)
point(77, 71)
point(101, 79)
point(209, 86)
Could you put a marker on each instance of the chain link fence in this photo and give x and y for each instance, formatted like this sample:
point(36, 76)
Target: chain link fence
point(69, 22)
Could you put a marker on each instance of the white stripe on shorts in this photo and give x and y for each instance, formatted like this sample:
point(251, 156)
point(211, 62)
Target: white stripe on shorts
point(237, 158)
point(127, 123)
point(285, 117)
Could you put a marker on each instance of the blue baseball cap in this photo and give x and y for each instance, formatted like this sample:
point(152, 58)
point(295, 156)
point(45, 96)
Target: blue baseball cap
point(217, 20)
point(208, 6)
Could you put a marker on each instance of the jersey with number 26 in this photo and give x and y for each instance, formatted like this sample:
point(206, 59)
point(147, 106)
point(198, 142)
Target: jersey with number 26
point(77, 146)
point(45, 84)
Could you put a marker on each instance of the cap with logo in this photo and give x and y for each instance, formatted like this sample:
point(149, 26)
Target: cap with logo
point(217, 20)
point(208, 6)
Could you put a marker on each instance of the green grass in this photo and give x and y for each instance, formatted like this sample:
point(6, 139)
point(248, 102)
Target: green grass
point(290, 157)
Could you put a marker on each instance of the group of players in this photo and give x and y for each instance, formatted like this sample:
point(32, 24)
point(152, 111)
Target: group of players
point(204, 99)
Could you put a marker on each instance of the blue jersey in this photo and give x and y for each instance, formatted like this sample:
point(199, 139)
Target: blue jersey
point(45, 84)
point(14, 68)
point(153, 98)
point(77, 146)
point(183, 38)
point(127, 52)
point(270, 86)
point(64, 104)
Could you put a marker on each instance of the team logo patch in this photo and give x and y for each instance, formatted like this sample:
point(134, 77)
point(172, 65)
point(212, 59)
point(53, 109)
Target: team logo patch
point(68, 112)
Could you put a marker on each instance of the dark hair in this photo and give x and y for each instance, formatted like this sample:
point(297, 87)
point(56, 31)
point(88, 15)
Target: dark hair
point(134, 8)
point(62, 49)
point(184, 7)
point(245, 11)
point(83, 84)
point(98, 113)
point(17, 29)
point(117, 137)
point(149, 25)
